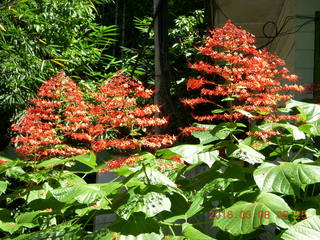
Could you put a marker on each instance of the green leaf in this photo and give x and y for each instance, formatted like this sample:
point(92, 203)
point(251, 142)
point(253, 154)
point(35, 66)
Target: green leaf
point(244, 113)
point(296, 133)
point(63, 231)
point(308, 229)
point(52, 162)
point(249, 216)
point(194, 234)
point(218, 184)
point(67, 179)
point(247, 154)
point(10, 227)
point(3, 186)
point(87, 194)
point(28, 217)
point(150, 204)
point(15, 172)
point(310, 112)
point(311, 128)
point(195, 154)
point(37, 193)
point(88, 159)
point(227, 99)
point(154, 177)
point(286, 177)
point(204, 136)
point(101, 204)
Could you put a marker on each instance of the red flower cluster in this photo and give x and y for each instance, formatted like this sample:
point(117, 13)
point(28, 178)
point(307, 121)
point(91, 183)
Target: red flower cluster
point(118, 114)
point(253, 82)
point(56, 125)
point(62, 124)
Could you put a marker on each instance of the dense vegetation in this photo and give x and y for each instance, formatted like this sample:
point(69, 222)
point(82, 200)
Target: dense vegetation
point(243, 165)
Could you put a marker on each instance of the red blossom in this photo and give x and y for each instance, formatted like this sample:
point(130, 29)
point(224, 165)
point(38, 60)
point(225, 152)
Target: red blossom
point(61, 123)
point(118, 115)
point(3, 161)
point(57, 124)
point(249, 79)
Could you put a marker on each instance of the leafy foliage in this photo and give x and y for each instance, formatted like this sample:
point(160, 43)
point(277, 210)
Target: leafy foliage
point(39, 37)
point(227, 186)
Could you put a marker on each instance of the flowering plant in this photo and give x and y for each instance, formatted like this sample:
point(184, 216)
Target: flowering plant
point(155, 199)
point(57, 125)
point(61, 123)
point(254, 83)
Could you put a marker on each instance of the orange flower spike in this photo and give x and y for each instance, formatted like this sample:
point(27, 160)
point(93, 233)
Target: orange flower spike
point(252, 78)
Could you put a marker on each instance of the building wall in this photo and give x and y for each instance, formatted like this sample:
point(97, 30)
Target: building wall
point(296, 49)
point(304, 57)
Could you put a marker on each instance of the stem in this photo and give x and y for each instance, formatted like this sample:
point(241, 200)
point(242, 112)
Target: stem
point(282, 151)
point(174, 235)
point(89, 218)
point(313, 189)
point(145, 172)
point(300, 150)
point(170, 224)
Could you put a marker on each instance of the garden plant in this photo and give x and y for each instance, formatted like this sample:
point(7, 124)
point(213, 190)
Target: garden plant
point(248, 168)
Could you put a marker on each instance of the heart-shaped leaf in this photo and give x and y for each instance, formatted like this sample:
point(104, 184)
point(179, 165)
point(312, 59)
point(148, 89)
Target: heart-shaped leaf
point(286, 177)
point(308, 229)
point(150, 204)
point(246, 217)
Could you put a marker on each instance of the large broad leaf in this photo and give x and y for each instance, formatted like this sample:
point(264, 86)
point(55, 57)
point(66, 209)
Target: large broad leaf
point(311, 128)
point(215, 133)
point(37, 193)
point(150, 204)
point(308, 229)
point(218, 184)
point(29, 217)
point(12, 227)
point(286, 177)
point(106, 234)
point(246, 217)
point(194, 234)
point(88, 159)
point(52, 162)
point(247, 154)
point(101, 204)
point(63, 231)
point(152, 177)
point(67, 179)
point(87, 193)
point(310, 112)
point(197, 153)
point(296, 133)
point(204, 136)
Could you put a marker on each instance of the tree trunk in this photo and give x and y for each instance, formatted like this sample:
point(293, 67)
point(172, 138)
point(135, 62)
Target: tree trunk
point(115, 23)
point(210, 13)
point(123, 27)
point(162, 76)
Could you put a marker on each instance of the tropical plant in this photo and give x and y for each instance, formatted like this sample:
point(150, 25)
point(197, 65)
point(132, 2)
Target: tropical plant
point(240, 81)
point(39, 37)
point(62, 123)
point(188, 191)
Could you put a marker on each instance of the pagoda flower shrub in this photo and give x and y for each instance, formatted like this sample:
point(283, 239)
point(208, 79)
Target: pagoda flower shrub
point(240, 82)
point(56, 124)
point(123, 120)
point(274, 196)
point(61, 123)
